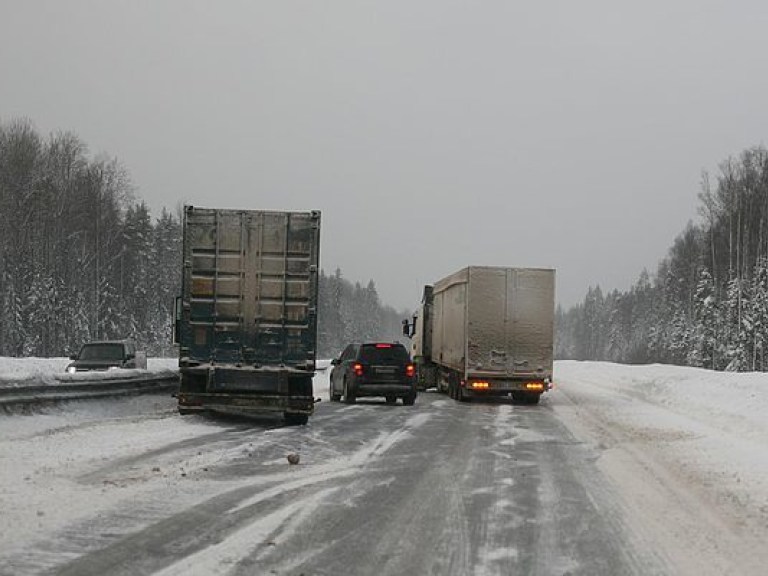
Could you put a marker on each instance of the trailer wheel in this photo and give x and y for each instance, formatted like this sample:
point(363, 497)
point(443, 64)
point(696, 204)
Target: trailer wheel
point(532, 398)
point(525, 398)
point(293, 419)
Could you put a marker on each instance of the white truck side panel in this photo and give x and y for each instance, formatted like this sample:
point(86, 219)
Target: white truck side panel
point(450, 321)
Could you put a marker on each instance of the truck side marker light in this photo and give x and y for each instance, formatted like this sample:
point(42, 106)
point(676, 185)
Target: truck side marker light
point(480, 385)
point(534, 386)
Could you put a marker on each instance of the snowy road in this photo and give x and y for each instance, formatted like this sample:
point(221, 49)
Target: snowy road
point(592, 481)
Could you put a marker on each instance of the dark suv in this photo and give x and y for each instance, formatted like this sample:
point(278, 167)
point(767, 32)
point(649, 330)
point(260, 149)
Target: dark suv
point(375, 369)
point(107, 355)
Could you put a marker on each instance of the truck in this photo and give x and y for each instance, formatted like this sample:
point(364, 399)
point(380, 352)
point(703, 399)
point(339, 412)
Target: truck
point(486, 331)
point(246, 319)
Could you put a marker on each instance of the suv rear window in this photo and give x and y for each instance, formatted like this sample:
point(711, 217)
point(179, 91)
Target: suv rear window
point(391, 354)
point(101, 352)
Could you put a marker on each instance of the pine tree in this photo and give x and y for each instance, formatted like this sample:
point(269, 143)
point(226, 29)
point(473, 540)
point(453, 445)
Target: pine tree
point(735, 351)
point(704, 345)
point(759, 314)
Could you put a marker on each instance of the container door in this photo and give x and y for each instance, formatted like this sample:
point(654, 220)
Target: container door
point(530, 320)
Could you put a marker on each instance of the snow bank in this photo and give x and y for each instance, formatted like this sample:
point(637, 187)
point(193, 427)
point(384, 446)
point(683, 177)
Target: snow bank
point(735, 402)
point(36, 371)
point(706, 431)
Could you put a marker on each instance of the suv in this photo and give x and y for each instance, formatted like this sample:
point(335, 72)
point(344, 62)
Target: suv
point(374, 369)
point(107, 355)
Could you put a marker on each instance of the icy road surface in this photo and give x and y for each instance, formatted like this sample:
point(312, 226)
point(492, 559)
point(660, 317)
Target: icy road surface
point(620, 470)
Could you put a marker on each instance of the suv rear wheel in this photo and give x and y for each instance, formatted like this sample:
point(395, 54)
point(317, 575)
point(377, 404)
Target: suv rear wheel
point(349, 397)
point(334, 397)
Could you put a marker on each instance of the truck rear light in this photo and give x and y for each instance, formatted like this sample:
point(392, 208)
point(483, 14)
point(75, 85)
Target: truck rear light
point(534, 386)
point(480, 385)
point(358, 369)
point(410, 371)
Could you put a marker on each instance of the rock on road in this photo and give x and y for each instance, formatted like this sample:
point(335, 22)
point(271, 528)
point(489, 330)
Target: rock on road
point(130, 487)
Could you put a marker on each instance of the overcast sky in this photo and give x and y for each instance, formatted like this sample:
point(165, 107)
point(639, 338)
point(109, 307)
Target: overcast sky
point(432, 134)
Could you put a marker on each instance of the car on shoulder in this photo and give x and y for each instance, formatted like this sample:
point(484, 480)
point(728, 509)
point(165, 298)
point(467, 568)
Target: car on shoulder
point(373, 369)
point(107, 355)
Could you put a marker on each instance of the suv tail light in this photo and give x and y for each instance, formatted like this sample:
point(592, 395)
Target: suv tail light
point(410, 371)
point(358, 369)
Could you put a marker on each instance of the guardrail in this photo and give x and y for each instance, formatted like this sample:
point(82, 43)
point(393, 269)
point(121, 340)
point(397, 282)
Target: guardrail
point(72, 390)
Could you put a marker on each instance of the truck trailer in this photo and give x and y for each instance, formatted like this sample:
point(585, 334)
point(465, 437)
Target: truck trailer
point(246, 320)
point(486, 331)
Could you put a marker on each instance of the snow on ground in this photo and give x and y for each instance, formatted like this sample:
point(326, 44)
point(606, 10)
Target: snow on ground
point(60, 465)
point(41, 491)
point(688, 435)
point(736, 402)
point(698, 435)
point(718, 420)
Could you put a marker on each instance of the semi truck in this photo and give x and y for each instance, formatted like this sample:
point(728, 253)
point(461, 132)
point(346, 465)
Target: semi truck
point(486, 331)
point(246, 320)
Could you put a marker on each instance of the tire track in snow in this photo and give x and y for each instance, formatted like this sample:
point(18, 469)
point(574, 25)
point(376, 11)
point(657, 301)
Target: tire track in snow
point(221, 527)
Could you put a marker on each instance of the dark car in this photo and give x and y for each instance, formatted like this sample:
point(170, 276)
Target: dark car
point(107, 355)
point(374, 369)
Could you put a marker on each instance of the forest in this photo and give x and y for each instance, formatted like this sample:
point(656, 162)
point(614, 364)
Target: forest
point(82, 259)
point(706, 304)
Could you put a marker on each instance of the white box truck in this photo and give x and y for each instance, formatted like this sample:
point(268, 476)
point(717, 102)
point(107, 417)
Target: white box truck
point(486, 331)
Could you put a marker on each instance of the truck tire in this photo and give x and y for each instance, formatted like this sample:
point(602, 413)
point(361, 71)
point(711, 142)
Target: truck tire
point(334, 397)
point(409, 400)
point(525, 398)
point(532, 398)
point(460, 396)
point(390, 399)
point(292, 419)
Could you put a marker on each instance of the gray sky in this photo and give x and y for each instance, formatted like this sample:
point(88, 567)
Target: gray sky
point(432, 134)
